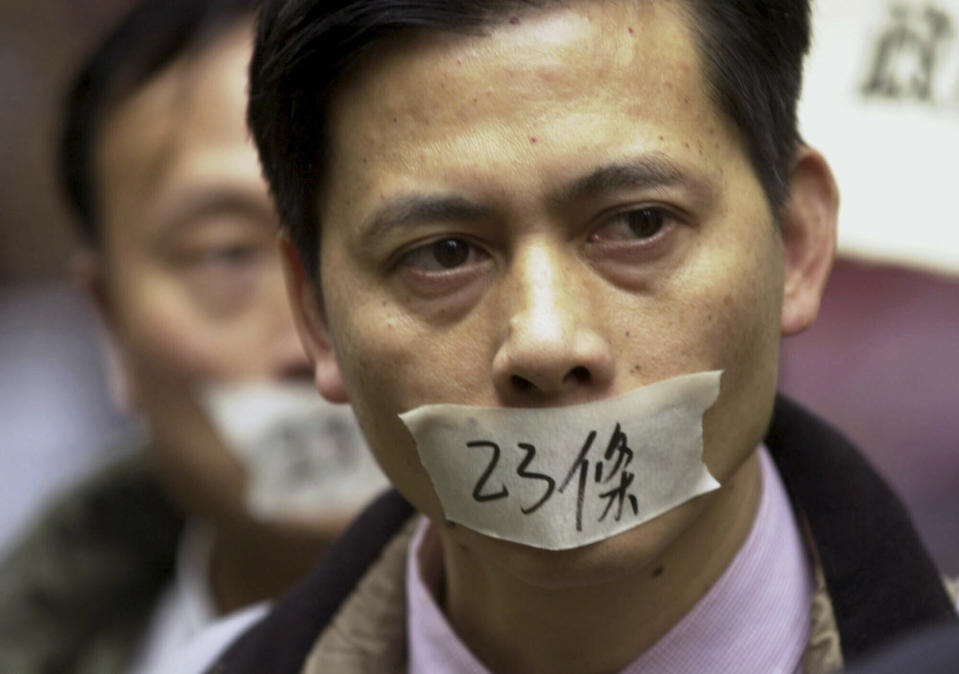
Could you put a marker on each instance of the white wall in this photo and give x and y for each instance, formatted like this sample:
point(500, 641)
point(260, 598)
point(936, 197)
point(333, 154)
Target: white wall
point(894, 147)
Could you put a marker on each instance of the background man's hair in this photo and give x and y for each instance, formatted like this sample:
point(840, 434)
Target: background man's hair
point(152, 36)
point(752, 53)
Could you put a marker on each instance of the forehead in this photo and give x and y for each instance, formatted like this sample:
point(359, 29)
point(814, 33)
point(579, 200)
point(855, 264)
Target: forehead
point(567, 84)
point(182, 125)
point(559, 42)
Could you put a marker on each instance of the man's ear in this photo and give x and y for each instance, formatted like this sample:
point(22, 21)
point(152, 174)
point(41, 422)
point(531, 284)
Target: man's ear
point(90, 277)
point(87, 273)
point(809, 237)
point(310, 318)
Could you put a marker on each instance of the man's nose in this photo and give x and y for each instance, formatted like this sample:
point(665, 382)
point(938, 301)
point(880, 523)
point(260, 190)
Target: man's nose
point(554, 345)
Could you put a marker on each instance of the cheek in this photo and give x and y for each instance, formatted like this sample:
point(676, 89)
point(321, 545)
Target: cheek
point(168, 336)
point(737, 323)
point(393, 357)
point(380, 358)
point(380, 377)
point(718, 315)
point(739, 330)
point(391, 363)
point(751, 310)
point(166, 341)
point(732, 286)
point(168, 349)
point(166, 355)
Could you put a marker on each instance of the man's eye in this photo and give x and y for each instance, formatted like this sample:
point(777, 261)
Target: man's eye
point(229, 256)
point(639, 224)
point(219, 258)
point(442, 255)
point(645, 223)
point(224, 278)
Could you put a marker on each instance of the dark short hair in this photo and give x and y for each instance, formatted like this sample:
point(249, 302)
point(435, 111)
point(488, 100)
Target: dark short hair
point(149, 38)
point(752, 53)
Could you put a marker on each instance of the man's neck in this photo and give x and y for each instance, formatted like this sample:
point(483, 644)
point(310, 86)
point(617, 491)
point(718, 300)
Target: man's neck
point(247, 569)
point(516, 626)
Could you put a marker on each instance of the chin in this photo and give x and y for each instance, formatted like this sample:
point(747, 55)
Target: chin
point(639, 550)
point(318, 529)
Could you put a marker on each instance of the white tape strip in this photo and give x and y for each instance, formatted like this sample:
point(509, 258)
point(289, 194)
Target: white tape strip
point(305, 458)
point(565, 477)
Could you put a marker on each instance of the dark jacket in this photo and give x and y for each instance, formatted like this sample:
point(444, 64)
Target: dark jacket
point(880, 580)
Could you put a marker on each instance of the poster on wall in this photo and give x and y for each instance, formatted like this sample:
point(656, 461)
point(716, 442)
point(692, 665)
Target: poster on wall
point(881, 100)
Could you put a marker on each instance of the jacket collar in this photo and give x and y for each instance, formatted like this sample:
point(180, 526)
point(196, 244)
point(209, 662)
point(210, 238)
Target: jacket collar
point(880, 579)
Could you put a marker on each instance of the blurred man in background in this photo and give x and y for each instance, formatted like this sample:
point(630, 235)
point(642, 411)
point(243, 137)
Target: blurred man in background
point(220, 510)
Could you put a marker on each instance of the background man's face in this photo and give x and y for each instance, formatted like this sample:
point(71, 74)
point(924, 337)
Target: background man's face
point(194, 285)
point(550, 214)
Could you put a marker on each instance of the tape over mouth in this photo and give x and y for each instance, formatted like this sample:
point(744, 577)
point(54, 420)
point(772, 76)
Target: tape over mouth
point(565, 477)
point(304, 458)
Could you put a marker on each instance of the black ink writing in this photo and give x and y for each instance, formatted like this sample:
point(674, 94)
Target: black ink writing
point(478, 494)
point(618, 447)
point(524, 473)
point(609, 468)
point(619, 496)
point(582, 465)
point(907, 54)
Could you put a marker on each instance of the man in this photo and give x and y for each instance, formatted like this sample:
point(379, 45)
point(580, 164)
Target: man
point(180, 257)
point(506, 218)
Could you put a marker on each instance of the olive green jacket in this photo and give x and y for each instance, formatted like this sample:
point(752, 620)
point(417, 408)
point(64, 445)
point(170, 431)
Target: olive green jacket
point(77, 592)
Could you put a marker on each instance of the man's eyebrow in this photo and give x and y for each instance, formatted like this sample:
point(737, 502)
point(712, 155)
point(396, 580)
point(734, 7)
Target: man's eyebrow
point(646, 171)
point(407, 208)
point(196, 205)
point(650, 170)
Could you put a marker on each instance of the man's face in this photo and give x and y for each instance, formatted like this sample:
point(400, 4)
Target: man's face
point(551, 213)
point(193, 285)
